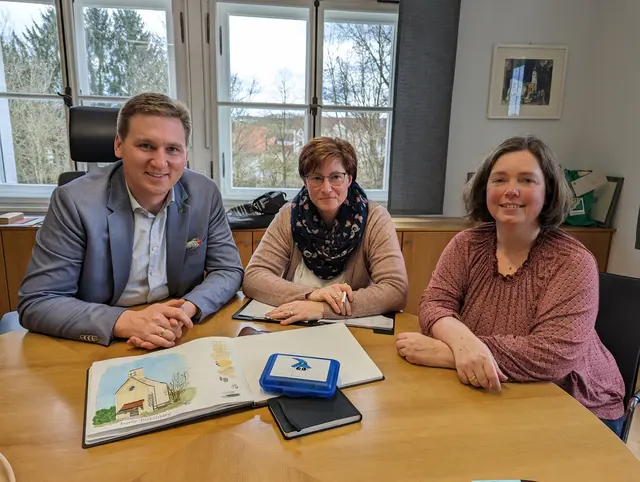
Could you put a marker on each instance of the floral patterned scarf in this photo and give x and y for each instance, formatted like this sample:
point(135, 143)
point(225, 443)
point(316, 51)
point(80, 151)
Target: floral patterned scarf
point(325, 250)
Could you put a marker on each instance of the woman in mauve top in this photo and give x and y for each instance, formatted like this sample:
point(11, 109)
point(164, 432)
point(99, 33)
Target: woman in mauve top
point(515, 298)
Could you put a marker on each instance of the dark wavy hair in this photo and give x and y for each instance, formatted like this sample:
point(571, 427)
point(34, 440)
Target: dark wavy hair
point(558, 195)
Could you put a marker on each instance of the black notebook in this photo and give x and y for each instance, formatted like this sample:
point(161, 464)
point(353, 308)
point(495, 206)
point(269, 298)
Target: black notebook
point(301, 416)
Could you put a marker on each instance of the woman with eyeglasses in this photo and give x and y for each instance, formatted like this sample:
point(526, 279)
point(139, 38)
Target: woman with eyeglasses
point(330, 253)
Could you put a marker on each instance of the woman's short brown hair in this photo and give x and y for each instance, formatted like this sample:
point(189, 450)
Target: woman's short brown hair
point(151, 103)
point(557, 199)
point(318, 150)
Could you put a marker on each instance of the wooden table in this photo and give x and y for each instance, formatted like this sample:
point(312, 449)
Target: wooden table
point(418, 424)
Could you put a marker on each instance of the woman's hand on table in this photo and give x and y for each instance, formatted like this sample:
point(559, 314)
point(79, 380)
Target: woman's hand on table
point(333, 295)
point(475, 363)
point(297, 311)
point(420, 349)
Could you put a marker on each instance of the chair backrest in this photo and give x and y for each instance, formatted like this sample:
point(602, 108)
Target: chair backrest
point(618, 324)
point(69, 176)
point(91, 133)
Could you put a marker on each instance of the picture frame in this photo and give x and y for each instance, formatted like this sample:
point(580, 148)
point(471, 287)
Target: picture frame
point(605, 202)
point(527, 81)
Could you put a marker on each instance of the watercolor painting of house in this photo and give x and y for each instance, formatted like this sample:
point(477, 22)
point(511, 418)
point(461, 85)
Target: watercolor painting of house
point(139, 394)
point(142, 386)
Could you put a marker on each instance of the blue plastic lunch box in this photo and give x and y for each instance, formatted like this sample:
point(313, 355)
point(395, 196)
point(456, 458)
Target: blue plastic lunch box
point(296, 385)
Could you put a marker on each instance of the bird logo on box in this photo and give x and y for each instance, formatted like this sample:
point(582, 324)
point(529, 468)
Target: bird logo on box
point(301, 364)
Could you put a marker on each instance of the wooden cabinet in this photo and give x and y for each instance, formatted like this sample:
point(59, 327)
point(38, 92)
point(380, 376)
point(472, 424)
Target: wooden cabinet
point(244, 242)
point(5, 306)
point(421, 251)
point(596, 241)
point(17, 245)
point(257, 237)
point(421, 240)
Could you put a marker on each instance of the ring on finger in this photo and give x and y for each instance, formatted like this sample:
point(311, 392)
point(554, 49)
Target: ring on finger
point(472, 378)
point(162, 332)
point(290, 312)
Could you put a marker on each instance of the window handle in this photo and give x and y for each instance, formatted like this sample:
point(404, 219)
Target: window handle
point(66, 97)
point(182, 27)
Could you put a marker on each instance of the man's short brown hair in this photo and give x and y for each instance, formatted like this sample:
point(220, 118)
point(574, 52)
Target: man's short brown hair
point(151, 103)
point(558, 195)
point(318, 150)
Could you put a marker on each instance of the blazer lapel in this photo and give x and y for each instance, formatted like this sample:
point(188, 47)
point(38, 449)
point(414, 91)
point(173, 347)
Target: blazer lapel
point(120, 224)
point(177, 234)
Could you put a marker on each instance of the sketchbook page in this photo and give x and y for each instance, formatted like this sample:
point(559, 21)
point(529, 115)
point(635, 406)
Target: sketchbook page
point(375, 322)
point(127, 394)
point(326, 341)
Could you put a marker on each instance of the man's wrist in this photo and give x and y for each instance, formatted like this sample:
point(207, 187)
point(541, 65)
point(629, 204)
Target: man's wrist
point(119, 328)
point(192, 311)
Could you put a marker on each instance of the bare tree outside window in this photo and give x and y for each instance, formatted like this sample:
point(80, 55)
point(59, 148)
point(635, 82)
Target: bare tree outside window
point(266, 142)
point(357, 72)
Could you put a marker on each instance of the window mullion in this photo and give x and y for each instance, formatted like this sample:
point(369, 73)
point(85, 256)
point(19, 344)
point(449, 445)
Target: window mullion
point(66, 30)
point(314, 42)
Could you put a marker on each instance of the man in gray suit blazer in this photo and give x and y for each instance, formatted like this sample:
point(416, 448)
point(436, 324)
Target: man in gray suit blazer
point(142, 230)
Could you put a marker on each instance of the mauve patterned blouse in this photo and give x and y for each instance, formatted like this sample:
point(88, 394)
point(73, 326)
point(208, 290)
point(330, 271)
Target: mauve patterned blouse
point(538, 322)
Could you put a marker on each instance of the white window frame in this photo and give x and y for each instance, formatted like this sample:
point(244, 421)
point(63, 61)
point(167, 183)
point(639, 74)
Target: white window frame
point(28, 197)
point(192, 29)
point(346, 10)
point(80, 49)
point(35, 197)
point(295, 10)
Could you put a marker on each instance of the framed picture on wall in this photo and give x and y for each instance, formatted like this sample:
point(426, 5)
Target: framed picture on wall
point(605, 201)
point(527, 81)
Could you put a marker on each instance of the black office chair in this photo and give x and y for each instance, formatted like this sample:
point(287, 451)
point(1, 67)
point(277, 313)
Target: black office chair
point(618, 326)
point(91, 134)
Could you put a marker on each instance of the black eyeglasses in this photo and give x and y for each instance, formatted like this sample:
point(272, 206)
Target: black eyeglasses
point(335, 179)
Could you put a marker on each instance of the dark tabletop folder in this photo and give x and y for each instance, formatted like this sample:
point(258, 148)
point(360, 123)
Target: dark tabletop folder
point(305, 415)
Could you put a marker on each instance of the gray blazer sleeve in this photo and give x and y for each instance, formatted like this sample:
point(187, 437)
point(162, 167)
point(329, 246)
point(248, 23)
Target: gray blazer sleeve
point(223, 265)
point(47, 302)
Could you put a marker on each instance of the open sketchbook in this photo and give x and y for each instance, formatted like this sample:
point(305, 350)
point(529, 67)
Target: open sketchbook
point(256, 311)
point(140, 394)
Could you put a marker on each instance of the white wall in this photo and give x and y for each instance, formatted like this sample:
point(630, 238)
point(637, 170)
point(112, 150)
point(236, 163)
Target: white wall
point(612, 128)
point(484, 23)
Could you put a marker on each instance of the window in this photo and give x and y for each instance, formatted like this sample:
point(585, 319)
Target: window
point(260, 79)
point(357, 88)
point(262, 96)
point(270, 103)
point(32, 117)
point(121, 48)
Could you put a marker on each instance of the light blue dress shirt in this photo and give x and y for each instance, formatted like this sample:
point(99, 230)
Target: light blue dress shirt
point(148, 276)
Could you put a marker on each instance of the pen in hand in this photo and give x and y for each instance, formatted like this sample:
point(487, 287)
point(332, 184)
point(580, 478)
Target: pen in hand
point(344, 297)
